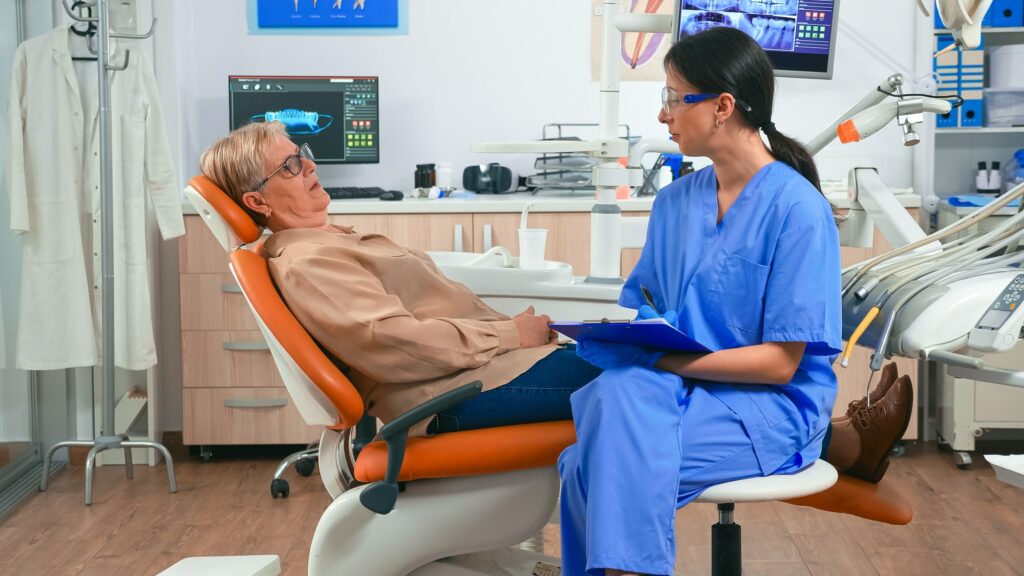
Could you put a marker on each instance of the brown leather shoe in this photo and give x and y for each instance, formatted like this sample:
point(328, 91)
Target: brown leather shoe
point(880, 426)
point(889, 374)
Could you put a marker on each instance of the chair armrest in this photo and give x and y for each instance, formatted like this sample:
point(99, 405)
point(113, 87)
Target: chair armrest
point(380, 497)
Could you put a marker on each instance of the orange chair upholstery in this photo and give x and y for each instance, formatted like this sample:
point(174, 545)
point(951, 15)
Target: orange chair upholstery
point(474, 452)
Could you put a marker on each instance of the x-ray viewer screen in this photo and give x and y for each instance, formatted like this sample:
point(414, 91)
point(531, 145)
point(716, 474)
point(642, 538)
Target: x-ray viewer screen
point(337, 116)
point(798, 35)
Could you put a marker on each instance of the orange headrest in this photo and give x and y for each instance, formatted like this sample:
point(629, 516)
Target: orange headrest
point(229, 223)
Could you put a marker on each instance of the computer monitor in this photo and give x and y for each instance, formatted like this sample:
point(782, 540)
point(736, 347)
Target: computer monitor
point(336, 115)
point(798, 35)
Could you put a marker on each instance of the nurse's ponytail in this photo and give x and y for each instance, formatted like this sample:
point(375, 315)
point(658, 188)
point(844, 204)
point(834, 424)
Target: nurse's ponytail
point(725, 60)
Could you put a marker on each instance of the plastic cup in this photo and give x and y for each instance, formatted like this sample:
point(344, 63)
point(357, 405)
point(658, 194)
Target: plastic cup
point(531, 247)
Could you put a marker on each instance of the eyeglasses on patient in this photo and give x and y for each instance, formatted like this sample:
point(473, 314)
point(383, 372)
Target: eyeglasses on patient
point(292, 164)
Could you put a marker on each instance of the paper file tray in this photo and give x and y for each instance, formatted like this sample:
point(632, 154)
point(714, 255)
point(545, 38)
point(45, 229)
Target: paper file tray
point(653, 333)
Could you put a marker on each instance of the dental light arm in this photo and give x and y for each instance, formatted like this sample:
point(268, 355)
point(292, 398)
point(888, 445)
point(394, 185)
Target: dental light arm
point(892, 84)
point(908, 112)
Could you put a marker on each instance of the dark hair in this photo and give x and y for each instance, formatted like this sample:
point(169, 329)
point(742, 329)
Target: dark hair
point(726, 60)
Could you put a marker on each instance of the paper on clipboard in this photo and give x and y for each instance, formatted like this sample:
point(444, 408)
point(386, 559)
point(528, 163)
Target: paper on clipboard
point(653, 333)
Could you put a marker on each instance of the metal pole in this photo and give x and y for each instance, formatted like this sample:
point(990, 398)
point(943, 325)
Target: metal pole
point(19, 21)
point(107, 217)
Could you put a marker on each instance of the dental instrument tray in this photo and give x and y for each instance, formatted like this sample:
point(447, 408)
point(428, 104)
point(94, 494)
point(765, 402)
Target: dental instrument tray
point(568, 170)
point(653, 333)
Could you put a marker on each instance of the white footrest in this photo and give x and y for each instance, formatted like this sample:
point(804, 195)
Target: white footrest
point(226, 566)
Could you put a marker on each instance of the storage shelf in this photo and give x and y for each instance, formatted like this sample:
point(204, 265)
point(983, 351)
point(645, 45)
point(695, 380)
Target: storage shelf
point(1013, 130)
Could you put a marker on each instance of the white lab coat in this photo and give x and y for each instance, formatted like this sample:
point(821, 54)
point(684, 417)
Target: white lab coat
point(55, 204)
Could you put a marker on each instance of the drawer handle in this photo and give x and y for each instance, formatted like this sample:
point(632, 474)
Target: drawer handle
point(231, 288)
point(245, 346)
point(255, 402)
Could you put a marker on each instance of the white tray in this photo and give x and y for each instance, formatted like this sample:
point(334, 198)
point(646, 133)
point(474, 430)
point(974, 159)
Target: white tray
point(1009, 469)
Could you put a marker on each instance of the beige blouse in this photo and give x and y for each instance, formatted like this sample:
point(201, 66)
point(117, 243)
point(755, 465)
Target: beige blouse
point(407, 332)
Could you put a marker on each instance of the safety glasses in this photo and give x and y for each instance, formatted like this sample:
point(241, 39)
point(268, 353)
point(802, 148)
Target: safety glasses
point(670, 99)
point(292, 164)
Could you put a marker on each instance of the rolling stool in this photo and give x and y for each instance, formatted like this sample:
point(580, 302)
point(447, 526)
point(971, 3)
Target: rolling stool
point(726, 552)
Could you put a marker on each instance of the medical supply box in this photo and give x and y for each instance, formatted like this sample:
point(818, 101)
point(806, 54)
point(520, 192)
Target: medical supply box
point(1004, 107)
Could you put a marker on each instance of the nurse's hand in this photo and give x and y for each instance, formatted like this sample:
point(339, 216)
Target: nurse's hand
point(645, 312)
point(607, 355)
point(533, 329)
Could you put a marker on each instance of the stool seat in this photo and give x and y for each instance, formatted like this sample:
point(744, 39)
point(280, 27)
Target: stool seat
point(815, 478)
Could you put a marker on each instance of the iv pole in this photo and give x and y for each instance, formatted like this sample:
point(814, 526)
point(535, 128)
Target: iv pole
point(107, 439)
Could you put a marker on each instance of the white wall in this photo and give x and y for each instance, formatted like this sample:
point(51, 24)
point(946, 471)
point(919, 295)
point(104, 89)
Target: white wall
point(457, 79)
point(476, 71)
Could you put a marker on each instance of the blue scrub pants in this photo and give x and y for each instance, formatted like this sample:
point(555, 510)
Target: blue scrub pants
point(646, 444)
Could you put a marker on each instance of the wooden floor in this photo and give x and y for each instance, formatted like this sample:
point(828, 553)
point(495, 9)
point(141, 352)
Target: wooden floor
point(966, 522)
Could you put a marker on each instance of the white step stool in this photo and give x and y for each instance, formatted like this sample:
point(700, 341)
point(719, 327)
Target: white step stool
point(226, 566)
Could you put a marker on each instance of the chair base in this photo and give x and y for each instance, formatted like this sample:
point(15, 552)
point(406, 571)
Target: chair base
point(726, 544)
point(506, 561)
point(433, 519)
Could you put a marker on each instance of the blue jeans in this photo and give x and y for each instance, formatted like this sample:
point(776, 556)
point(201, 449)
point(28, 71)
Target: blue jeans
point(541, 394)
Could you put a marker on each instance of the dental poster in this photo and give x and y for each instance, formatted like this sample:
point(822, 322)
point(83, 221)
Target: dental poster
point(640, 54)
point(327, 13)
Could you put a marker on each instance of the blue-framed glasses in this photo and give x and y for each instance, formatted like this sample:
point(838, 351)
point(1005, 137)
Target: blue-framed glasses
point(670, 98)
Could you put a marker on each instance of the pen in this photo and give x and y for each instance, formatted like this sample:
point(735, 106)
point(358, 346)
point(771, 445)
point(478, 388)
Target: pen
point(648, 297)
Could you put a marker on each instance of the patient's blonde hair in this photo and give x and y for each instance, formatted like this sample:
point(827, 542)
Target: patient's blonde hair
point(236, 161)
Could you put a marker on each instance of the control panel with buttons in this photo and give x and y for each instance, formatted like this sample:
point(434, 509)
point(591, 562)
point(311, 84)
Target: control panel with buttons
point(1000, 327)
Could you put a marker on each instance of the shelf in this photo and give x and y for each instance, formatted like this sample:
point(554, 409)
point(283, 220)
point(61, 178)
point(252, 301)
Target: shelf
point(1013, 130)
point(989, 30)
point(997, 36)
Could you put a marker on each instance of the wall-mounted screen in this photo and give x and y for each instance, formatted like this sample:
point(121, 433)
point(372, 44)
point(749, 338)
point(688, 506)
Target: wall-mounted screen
point(798, 35)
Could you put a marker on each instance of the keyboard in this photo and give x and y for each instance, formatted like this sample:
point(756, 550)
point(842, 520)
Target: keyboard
point(350, 192)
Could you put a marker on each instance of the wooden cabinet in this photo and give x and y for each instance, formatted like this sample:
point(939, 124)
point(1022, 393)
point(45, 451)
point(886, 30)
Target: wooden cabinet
point(234, 395)
point(231, 390)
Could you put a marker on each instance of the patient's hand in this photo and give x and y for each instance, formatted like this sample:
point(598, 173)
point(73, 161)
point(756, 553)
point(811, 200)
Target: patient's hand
point(533, 329)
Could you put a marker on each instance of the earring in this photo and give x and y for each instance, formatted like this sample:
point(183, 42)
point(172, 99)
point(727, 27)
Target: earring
point(719, 123)
point(268, 212)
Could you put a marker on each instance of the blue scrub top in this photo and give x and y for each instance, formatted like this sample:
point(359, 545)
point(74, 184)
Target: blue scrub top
point(769, 272)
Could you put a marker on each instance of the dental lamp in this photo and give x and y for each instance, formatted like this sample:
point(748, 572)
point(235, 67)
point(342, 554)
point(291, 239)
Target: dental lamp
point(962, 17)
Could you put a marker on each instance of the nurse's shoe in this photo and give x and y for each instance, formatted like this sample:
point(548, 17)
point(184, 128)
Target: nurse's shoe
point(880, 426)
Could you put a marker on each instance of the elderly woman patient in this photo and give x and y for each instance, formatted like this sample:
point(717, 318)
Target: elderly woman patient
point(409, 334)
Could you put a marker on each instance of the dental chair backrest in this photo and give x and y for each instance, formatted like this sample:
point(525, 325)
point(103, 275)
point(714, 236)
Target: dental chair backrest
point(322, 394)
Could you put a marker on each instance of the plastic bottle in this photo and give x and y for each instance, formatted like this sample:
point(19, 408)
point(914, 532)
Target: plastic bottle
point(1014, 171)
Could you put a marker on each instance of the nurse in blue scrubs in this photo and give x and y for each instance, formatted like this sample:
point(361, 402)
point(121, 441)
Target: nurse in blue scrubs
point(744, 257)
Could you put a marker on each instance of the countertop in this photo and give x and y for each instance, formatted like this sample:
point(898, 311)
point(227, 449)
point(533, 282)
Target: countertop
point(554, 201)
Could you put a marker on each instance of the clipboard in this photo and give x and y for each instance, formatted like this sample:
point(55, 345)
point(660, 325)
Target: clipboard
point(653, 333)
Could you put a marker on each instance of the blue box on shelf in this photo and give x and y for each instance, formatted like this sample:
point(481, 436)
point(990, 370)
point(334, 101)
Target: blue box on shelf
point(1007, 13)
point(972, 113)
point(948, 120)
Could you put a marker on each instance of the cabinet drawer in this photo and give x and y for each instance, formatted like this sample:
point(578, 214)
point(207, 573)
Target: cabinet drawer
point(222, 359)
point(213, 302)
point(243, 416)
point(199, 251)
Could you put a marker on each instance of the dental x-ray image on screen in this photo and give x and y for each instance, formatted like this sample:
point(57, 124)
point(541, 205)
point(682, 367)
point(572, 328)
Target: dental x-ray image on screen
point(771, 32)
point(798, 35)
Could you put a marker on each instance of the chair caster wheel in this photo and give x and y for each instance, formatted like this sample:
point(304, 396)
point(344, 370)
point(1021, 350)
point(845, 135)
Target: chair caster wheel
point(962, 460)
point(205, 453)
point(279, 488)
point(899, 450)
point(305, 467)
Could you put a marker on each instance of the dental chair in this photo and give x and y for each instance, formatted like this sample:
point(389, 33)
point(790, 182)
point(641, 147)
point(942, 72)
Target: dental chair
point(455, 504)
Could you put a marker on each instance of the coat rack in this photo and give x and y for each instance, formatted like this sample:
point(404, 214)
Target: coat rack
point(108, 439)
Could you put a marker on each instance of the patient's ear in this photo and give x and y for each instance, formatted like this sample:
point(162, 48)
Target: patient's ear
point(256, 202)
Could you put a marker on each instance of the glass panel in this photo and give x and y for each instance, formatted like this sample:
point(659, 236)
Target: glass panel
point(16, 406)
